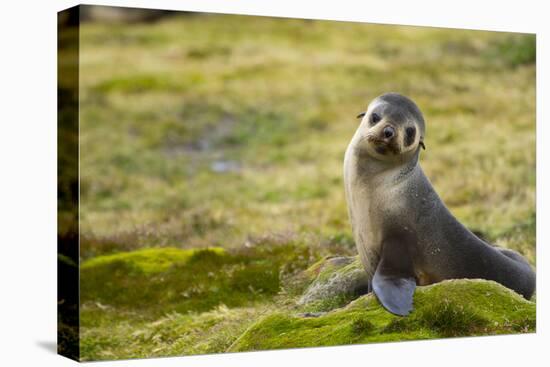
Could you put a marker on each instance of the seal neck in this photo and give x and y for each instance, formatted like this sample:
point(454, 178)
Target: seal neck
point(369, 169)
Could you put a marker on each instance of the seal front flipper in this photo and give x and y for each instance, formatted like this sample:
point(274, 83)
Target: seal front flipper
point(394, 281)
point(394, 293)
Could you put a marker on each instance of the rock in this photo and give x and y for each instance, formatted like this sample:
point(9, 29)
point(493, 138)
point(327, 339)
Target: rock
point(447, 309)
point(335, 282)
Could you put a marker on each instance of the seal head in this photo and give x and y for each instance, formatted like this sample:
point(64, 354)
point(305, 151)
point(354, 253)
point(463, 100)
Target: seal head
point(391, 129)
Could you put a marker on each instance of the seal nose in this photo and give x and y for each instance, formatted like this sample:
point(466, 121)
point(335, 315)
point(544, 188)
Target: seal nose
point(389, 132)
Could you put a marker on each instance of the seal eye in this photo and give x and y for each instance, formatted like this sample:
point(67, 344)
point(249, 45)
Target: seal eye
point(410, 135)
point(374, 118)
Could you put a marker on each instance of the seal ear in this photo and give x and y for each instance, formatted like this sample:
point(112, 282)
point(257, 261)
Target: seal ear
point(394, 282)
point(422, 145)
point(361, 115)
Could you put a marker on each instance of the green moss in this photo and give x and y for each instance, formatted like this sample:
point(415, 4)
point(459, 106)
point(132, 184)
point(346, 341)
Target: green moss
point(361, 326)
point(150, 260)
point(329, 303)
point(449, 319)
point(169, 301)
point(450, 308)
point(161, 280)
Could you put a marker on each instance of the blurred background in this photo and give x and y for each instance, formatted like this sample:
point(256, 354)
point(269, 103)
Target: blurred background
point(227, 133)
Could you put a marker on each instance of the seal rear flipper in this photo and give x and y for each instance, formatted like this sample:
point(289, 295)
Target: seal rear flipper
point(394, 281)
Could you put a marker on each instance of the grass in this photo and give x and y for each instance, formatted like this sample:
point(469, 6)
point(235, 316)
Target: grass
point(168, 116)
point(214, 144)
point(172, 334)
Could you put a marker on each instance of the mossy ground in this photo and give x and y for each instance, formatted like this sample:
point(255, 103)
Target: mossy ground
point(450, 308)
point(163, 280)
point(168, 301)
point(214, 300)
point(220, 139)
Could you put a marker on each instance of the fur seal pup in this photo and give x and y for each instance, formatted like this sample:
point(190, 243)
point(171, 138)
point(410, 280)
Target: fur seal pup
point(404, 233)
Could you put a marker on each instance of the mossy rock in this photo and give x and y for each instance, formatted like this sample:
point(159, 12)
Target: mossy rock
point(162, 280)
point(447, 309)
point(334, 282)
